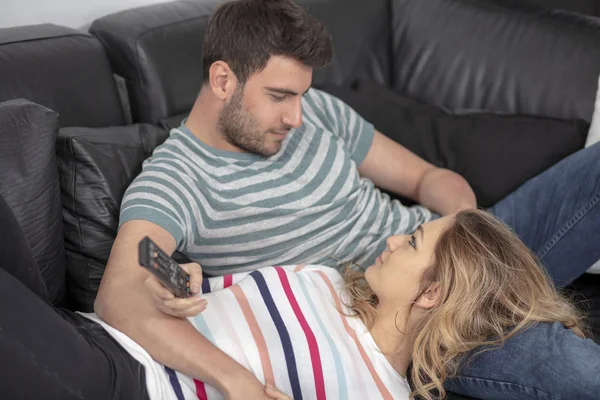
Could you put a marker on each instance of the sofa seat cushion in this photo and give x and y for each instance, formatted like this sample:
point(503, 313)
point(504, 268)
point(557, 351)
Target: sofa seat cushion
point(96, 166)
point(494, 153)
point(29, 184)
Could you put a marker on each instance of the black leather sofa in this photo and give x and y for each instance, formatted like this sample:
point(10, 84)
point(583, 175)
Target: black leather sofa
point(111, 95)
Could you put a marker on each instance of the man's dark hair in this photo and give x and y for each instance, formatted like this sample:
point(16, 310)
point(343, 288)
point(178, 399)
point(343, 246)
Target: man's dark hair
point(246, 33)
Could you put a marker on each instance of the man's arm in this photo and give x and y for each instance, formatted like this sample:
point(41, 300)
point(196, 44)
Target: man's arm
point(393, 167)
point(124, 302)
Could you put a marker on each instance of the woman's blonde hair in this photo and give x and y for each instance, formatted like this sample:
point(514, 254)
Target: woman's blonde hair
point(491, 288)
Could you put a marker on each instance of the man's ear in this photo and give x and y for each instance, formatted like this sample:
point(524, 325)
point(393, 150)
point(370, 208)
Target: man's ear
point(222, 80)
point(430, 297)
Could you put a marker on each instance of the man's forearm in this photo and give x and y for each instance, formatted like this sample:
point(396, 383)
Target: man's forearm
point(171, 341)
point(445, 192)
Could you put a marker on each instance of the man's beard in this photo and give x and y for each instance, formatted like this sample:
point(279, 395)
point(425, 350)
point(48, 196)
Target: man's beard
point(239, 127)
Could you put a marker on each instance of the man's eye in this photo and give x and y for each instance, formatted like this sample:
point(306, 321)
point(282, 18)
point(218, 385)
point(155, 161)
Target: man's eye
point(277, 98)
point(413, 241)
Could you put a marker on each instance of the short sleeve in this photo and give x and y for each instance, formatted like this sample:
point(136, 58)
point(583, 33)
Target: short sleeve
point(345, 123)
point(155, 197)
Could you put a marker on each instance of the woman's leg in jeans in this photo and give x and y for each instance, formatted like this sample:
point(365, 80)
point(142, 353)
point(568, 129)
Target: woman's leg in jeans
point(46, 357)
point(557, 215)
point(544, 362)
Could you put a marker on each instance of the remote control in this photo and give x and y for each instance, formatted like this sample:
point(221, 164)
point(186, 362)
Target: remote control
point(170, 274)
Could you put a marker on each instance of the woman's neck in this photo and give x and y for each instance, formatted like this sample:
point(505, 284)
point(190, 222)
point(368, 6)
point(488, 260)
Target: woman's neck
point(394, 344)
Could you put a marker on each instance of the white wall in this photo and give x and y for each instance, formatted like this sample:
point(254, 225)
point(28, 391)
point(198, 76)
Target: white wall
point(77, 14)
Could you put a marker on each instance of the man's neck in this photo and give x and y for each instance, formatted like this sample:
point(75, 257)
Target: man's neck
point(202, 122)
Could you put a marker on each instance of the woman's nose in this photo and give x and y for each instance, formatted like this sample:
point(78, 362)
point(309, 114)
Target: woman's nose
point(392, 242)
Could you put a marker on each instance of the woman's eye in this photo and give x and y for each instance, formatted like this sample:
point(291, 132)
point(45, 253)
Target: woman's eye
point(413, 241)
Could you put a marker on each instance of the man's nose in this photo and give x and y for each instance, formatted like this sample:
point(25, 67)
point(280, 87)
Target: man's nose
point(293, 117)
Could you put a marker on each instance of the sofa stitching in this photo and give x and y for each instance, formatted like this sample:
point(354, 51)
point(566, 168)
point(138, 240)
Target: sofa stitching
point(52, 37)
point(78, 218)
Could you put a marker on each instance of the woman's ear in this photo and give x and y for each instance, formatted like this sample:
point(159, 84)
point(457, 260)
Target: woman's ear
point(430, 297)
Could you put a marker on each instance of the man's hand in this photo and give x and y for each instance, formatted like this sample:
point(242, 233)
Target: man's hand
point(275, 394)
point(166, 301)
point(445, 192)
point(243, 385)
point(393, 167)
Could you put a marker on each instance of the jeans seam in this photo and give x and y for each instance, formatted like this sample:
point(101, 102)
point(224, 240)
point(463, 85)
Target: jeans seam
point(486, 380)
point(18, 346)
point(567, 226)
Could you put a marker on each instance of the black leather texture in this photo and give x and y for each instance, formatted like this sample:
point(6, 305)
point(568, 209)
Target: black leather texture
point(589, 7)
point(96, 166)
point(495, 153)
point(495, 56)
point(63, 69)
point(158, 49)
point(29, 184)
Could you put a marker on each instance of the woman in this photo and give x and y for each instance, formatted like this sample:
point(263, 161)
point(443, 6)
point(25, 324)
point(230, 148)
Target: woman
point(459, 283)
point(431, 298)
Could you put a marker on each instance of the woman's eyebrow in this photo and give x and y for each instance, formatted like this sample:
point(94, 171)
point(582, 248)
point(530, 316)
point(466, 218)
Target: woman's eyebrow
point(420, 229)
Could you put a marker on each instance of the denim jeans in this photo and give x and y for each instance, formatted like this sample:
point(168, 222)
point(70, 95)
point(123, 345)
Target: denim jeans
point(545, 362)
point(557, 214)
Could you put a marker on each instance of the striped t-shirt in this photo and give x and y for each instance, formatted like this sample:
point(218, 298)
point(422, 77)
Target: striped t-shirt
point(233, 212)
point(284, 325)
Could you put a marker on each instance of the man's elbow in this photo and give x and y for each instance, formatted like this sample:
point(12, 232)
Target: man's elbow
point(106, 306)
point(101, 307)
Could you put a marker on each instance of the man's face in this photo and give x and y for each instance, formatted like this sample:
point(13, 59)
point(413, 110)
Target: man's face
point(259, 115)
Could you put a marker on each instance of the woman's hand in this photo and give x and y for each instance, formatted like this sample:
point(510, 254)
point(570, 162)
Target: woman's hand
point(166, 301)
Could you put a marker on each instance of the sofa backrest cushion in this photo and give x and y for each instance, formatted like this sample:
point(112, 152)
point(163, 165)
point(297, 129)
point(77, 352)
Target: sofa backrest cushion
point(29, 184)
point(96, 166)
point(496, 56)
point(158, 49)
point(63, 69)
point(494, 153)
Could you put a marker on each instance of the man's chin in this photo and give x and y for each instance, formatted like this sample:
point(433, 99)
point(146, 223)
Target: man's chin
point(272, 150)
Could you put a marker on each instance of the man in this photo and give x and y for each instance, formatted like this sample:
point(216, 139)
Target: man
point(266, 171)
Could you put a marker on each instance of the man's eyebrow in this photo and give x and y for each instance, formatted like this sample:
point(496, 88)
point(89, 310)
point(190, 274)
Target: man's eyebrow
point(285, 91)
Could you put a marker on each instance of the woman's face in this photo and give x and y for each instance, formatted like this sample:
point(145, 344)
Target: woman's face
point(396, 275)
